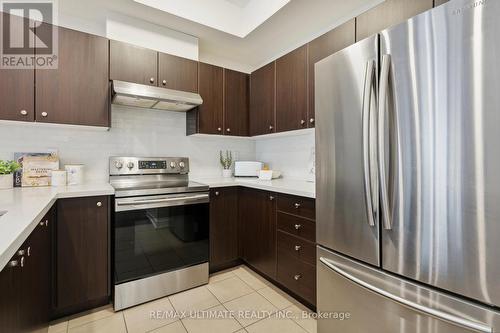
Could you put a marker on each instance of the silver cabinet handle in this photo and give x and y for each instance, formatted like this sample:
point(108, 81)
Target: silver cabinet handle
point(217, 193)
point(99, 204)
point(271, 127)
point(219, 129)
point(46, 223)
point(28, 253)
point(228, 130)
point(24, 112)
point(302, 122)
point(13, 263)
point(421, 308)
point(311, 120)
point(42, 223)
point(271, 198)
point(44, 114)
point(22, 261)
point(297, 277)
point(152, 80)
point(367, 97)
point(23, 252)
point(384, 85)
point(298, 226)
point(297, 247)
point(164, 82)
point(296, 205)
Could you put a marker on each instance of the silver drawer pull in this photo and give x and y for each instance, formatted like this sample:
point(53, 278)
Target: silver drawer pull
point(13, 263)
point(298, 226)
point(297, 277)
point(271, 198)
point(297, 247)
point(24, 112)
point(297, 206)
point(99, 204)
point(22, 261)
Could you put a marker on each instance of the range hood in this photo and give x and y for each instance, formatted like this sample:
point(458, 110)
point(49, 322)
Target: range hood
point(143, 96)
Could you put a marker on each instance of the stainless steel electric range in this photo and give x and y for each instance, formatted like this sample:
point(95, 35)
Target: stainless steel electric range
point(160, 229)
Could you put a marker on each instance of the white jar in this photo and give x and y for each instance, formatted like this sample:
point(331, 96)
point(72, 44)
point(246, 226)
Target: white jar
point(74, 174)
point(58, 178)
point(227, 173)
point(6, 181)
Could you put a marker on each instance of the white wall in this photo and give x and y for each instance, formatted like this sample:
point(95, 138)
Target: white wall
point(134, 132)
point(292, 154)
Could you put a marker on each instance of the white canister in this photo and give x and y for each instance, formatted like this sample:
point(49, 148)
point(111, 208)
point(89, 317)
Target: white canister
point(6, 181)
point(58, 178)
point(74, 174)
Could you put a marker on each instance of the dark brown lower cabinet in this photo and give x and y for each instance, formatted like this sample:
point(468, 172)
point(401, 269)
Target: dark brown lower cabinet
point(82, 272)
point(223, 227)
point(25, 283)
point(257, 215)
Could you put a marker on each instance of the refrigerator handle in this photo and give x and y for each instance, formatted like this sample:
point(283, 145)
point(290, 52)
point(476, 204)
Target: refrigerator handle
point(455, 320)
point(382, 97)
point(367, 97)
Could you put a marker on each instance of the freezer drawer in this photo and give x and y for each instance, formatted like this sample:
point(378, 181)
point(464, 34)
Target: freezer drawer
point(369, 300)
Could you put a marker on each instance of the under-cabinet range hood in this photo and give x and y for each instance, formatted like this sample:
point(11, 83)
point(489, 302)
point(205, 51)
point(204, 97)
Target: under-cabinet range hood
point(143, 96)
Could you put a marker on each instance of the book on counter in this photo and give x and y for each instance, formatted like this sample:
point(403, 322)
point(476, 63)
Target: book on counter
point(36, 168)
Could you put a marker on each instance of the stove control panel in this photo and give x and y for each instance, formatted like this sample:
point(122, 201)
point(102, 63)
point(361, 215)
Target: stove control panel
point(148, 165)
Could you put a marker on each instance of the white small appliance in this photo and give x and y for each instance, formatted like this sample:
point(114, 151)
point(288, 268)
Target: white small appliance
point(247, 168)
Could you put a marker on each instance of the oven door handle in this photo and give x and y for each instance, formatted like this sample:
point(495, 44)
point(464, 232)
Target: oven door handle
point(163, 202)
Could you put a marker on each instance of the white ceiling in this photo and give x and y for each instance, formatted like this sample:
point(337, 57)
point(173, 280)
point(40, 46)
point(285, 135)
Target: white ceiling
point(235, 17)
point(293, 25)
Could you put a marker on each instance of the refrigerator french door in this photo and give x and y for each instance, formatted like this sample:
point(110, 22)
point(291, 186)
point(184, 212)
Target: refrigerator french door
point(436, 199)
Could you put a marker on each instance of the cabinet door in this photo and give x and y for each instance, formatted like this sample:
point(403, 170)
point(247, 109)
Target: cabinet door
point(82, 252)
point(17, 86)
point(291, 90)
point(235, 103)
point(77, 92)
point(210, 113)
point(262, 100)
point(177, 73)
point(323, 46)
point(257, 214)
point(10, 304)
point(388, 13)
point(223, 227)
point(132, 63)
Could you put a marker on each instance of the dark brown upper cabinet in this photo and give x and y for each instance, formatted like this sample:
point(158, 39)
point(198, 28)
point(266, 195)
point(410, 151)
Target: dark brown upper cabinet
point(262, 100)
point(291, 90)
point(323, 46)
point(77, 92)
point(177, 73)
point(388, 13)
point(17, 86)
point(210, 114)
point(132, 63)
point(82, 254)
point(235, 103)
point(223, 227)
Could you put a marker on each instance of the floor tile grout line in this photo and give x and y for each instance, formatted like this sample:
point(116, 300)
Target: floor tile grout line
point(296, 320)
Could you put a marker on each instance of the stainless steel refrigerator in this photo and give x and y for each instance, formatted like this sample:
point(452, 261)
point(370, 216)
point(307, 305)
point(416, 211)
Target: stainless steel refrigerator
point(408, 176)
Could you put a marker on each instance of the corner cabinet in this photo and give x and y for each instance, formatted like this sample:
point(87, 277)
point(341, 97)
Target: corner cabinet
point(210, 113)
point(262, 100)
point(77, 92)
point(235, 103)
point(82, 263)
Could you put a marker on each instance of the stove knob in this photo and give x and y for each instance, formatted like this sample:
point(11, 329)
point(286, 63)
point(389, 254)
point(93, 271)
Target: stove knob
point(130, 165)
point(182, 165)
point(172, 165)
point(118, 164)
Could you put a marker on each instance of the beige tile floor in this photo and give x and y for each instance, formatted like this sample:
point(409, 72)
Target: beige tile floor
point(237, 300)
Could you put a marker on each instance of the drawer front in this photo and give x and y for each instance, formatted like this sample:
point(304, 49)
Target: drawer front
point(300, 206)
point(297, 276)
point(297, 247)
point(297, 226)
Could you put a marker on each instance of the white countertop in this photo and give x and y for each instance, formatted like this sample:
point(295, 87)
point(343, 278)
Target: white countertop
point(281, 185)
point(27, 206)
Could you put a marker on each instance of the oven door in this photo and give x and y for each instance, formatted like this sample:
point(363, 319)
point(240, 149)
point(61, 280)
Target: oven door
point(158, 234)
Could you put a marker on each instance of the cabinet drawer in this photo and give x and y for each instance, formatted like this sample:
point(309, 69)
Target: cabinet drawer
point(300, 206)
point(297, 276)
point(297, 247)
point(297, 226)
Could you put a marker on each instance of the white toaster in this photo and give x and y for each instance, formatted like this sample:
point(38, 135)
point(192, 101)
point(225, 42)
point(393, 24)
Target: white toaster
point(247, 168)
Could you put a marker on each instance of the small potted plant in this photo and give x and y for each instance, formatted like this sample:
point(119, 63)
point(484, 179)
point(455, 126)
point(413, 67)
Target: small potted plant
point(7, 169)
point(226, 163)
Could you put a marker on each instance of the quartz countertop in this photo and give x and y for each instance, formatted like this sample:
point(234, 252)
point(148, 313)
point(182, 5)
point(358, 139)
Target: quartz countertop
point(25, 207)
point(281, 185)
